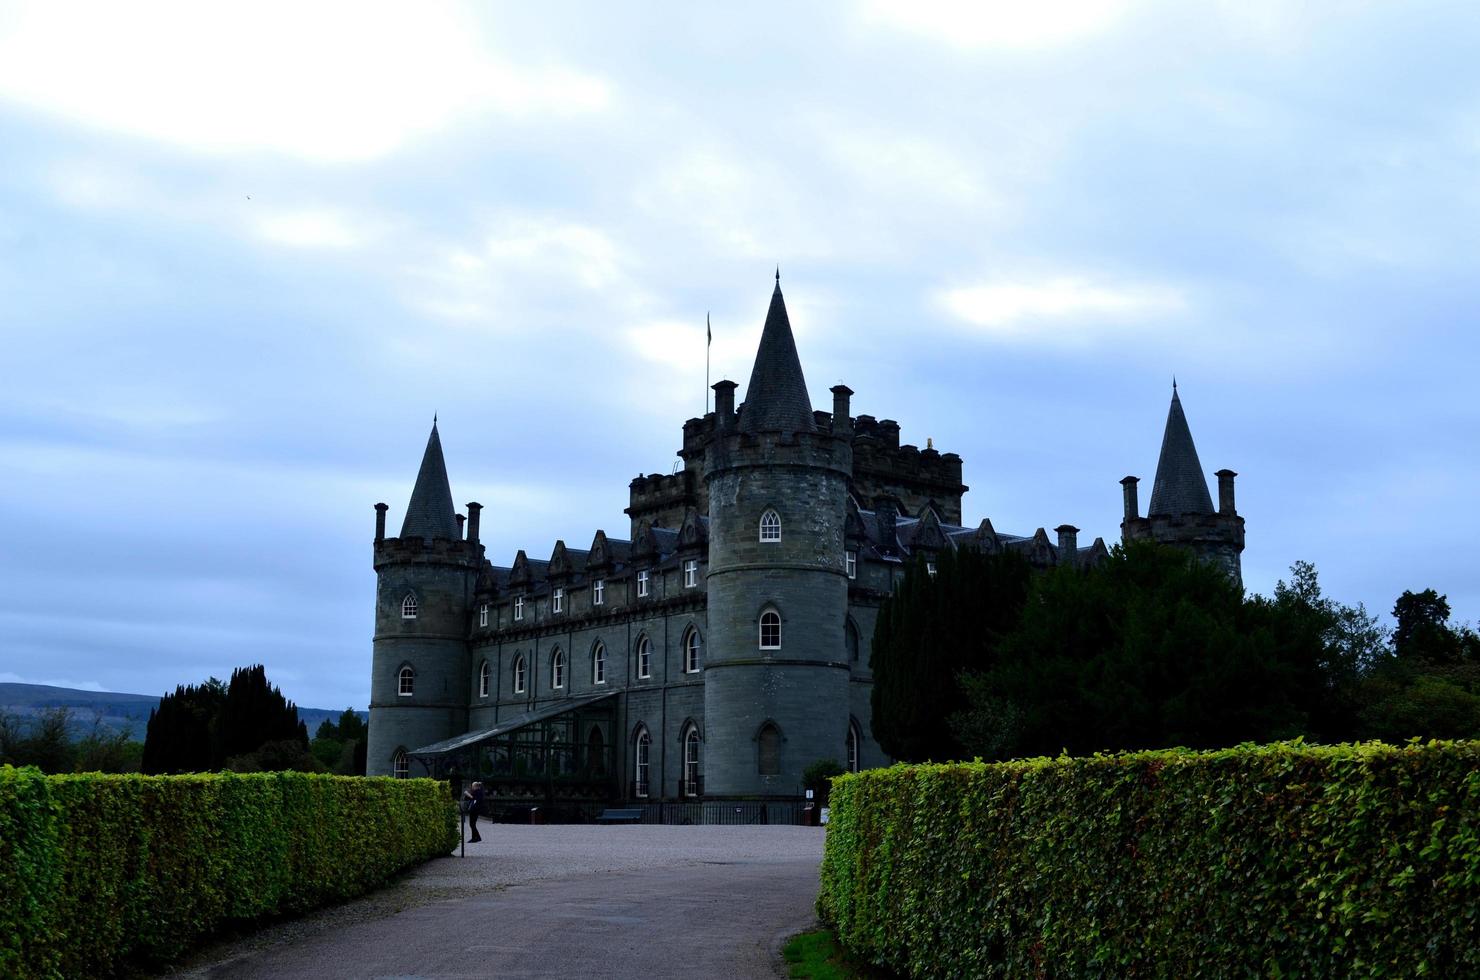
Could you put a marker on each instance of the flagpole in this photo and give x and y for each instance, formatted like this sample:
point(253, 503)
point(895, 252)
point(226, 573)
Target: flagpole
point(708, 340)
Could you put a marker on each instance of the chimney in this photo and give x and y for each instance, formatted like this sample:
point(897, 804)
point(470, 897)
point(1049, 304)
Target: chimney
point(724, 404)
point(842, 425)
point(1132, 507)
point(474, 512)
point(1068, 544)
point(380, 510)
point(460, 519)
point(1225, 492)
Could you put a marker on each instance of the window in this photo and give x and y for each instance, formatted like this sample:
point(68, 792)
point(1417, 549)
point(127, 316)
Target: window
point(518, 608)
point(519, 672)
point(690, 785)
point(691, 573)
point(930, 569)
point(557, 669)
point(850, 563)
point(408, 607)
point(643, 581)
point(557, 600)
point(406, 682)
point(691, 652)
point(640, 770)
point(644, 657)
point(598, 592)
point(850, 636)
point(484, 673)
point(769, 755)
point(770, 630)
point(853, 741)
point(598, 663)
point(401, 764)
point(770, 527)
point(483, 614)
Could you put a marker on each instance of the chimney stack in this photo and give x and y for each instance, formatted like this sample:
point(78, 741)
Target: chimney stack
point(1132, 506)
point(474, 512)
point(460, 519)
point(1225, 492)
point(1068, 544)
point(724, 404)
point(842, 424)
point(380, 510)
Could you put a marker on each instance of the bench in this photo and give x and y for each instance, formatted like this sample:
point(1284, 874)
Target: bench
point(620, 815)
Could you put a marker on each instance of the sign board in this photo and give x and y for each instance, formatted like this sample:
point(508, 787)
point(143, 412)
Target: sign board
point(809, 794)
point(824, 816)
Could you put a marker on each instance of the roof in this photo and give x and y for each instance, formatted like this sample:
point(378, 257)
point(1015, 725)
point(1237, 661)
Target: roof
point(776, 399)
point(1180, 486)
point(469, 739)
point(430, 513)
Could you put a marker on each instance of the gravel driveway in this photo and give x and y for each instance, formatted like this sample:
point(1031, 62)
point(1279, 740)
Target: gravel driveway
point(560, 901)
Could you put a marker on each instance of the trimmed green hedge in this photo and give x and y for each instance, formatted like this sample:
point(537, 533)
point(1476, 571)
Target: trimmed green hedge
point(99, 870)
point(1278, 860)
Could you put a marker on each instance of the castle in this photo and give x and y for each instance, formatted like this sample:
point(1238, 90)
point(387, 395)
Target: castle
point(723, 646)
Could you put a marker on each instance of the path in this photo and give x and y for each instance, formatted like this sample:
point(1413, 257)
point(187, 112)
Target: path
point(560, 902)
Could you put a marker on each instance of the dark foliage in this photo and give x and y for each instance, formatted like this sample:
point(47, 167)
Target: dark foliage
point(214, 726)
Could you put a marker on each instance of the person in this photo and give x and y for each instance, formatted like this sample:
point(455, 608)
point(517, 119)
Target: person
point(474, 798)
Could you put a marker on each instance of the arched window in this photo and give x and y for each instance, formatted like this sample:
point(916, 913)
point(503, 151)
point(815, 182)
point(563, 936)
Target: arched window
point(520, 670)
point(406, 682)
point(769, 750)
point(690, 785)
point(644, 657)
point(598, 663)
point(770, 630)
point(850, 635)
point(770, 527)
point(408, 607)
point(853, 746)
point(557, 669)
point(401, 764)
point(484, 673)
point(691, 645)
point(644, 745)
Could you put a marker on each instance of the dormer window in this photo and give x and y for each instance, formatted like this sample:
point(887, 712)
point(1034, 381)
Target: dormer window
point(598, 592)
point(518, 608)
point(644, 583)
point(557, 600)
point(408, 607)
point(483, 614)
point(850, 563)
point(770, 527)
point(691, 573)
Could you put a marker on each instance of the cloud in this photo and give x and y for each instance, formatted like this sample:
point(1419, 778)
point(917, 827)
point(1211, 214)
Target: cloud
point(329, 82)
point(309, 229)
point(1000, 24)
point(1063, 308)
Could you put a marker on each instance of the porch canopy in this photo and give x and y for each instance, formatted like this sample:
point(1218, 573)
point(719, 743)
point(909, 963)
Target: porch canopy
point(563, 749)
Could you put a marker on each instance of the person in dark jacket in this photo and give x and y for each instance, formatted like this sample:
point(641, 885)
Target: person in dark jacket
point(474, 798)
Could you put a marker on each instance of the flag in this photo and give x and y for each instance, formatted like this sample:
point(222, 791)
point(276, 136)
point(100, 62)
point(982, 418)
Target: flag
point(708, 332)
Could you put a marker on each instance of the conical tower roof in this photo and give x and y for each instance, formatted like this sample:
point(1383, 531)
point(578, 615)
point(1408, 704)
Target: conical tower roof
point(776, 399)
point(1180, 486)
point(430, 513)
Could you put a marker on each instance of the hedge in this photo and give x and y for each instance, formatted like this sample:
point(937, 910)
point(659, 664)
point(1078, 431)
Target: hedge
point(1277, 860)
point(99, 871)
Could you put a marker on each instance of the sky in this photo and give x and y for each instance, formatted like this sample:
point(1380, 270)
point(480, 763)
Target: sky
point(247, 252)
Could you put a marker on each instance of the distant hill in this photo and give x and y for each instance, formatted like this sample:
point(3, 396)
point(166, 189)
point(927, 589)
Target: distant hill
point(117, 712)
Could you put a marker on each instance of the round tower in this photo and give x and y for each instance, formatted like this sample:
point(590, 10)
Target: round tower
point(776, 670)
point(425, 581)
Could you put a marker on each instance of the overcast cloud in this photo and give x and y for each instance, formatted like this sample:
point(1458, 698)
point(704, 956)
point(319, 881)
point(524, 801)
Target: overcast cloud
point(246, 252)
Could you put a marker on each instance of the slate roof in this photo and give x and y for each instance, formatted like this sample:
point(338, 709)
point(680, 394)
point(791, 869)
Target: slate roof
point(430, 513)
point(469, 739)
point(776, 399)
point(1180, 486)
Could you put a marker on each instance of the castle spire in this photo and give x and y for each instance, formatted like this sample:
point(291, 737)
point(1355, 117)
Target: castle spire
point(1180, 486)
point(430, 513)
point(776, 399)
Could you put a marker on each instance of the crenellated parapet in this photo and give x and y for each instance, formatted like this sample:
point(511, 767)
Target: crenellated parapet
point(421, 551)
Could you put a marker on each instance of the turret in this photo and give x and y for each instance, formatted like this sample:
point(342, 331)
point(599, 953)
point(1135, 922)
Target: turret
point(776, 683)
point(425, 581)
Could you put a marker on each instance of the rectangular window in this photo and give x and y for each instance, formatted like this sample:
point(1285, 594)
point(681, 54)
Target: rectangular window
point(518, 608)
point(598, 592)
point(691, 573)
point(557, 601)
point(483, 614)
point(930, 569)
point(642, 584)
point(850, 560)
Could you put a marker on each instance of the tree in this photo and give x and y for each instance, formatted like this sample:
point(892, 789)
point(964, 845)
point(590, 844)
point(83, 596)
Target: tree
point(1423, 632)
point(181, 732)
point(254, 713)
point(222, 725)
point(930, 631)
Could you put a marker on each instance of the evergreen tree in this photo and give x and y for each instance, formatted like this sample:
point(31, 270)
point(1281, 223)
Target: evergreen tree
point(255, 713)
point(180, 736)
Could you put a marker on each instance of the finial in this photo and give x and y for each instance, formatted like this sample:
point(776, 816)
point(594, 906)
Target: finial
point(1174, 384)
point(778, 275)
point(434, 418)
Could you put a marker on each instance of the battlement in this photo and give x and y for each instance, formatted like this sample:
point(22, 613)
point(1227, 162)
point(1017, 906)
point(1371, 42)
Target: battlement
point(662, 500)
point(823, 450)
point(437, 551)
point(882, 467)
